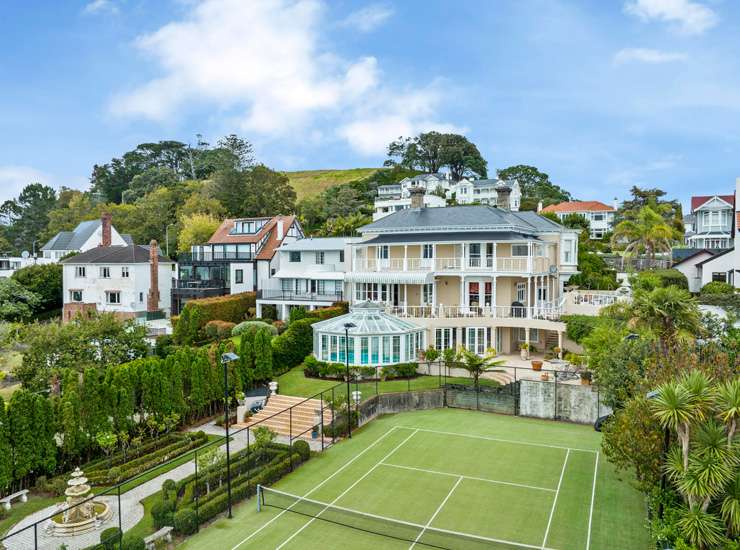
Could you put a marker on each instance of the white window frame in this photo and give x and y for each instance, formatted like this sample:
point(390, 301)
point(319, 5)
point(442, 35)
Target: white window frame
point(111, 293)
point(80, 272)
point(517, 248)
point(104, 272)
point(124, 272)
point(319, 257)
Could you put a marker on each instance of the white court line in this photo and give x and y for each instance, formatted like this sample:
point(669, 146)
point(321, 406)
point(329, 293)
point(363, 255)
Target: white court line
point(473, 478)
point(472, 436)
point(347, 490)
point(358, 455)
point(591, 510)
point(555, 500)
point(436, 512)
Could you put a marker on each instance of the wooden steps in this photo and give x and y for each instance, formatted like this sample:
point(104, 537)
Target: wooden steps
point(283, 412)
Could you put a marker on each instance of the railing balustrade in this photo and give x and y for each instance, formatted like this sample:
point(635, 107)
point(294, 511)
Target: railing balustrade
point(299, 296)
point(516, 264)
point(547, 311)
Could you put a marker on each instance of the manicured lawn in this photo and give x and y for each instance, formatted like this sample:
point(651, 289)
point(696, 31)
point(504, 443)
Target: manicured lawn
point(22, 509)
point(312, 182)
point(295, 383)
point(446, 478)
point(146, 526)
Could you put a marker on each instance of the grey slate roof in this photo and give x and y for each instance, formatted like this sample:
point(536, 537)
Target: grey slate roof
point(137, 254)
point(460, 218)
point(73, 240)
point(317, 243)
point(454, 236)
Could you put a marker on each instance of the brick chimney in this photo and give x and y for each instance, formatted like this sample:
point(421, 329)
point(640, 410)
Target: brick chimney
point(152, 299)
point(417, 197)
point(503, 197)
point(105, 222)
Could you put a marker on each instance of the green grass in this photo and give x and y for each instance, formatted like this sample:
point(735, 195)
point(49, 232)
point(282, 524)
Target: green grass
point(494, 476)
point(23, 509)
point(145, 527)
point(312, 182)
point(7, 391)
point(295, 383)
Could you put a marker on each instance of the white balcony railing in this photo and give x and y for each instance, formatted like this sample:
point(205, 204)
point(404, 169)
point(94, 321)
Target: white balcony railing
point(547, 311)
point(498, 264)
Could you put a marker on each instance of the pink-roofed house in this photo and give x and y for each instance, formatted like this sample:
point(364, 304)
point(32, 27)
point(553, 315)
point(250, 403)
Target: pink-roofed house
point(600, 216)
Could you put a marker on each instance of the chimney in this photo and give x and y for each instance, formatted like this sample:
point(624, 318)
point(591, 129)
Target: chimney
point(280, 229)
point(539, 207)
point(417, 197)
point(105, 224)
point(152, 299)
point(616, 203)
point(503, 196)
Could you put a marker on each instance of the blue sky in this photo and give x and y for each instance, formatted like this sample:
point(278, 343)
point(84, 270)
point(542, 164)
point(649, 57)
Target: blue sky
point(601, 95)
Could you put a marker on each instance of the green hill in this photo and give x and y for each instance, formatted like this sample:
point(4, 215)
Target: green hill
point(311, 182)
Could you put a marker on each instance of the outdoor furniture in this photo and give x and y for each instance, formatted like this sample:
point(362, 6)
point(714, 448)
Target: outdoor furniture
point(22, 495)
point(165, 533)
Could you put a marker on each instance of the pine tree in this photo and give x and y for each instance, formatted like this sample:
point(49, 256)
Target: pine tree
point(22, 430)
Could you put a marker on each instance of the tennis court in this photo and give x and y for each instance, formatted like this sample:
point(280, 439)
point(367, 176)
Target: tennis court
point(438, 479)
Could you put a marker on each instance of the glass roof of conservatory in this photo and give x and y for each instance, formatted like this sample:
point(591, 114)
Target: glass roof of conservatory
point(368, 318)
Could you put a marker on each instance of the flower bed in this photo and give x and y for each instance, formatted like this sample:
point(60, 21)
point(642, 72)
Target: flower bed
point(313, 368)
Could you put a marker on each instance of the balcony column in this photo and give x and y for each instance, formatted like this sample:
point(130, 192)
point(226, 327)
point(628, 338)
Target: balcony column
point(464, 261)
point(529, 297)
point(526, 337)
point(494, 303)
point(529, 257)
point(462, 291)
point(258, 311)
point(405, 257)
point(494, 267)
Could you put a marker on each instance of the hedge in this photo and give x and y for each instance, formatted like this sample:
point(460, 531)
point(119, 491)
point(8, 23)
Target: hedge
point(717, 287)
point(188, 327)
point(185, 521)
point(292, 346)
point(218, 329)
point(246, 325)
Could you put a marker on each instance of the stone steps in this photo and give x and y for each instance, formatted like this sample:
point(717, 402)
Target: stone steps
point(289, 416)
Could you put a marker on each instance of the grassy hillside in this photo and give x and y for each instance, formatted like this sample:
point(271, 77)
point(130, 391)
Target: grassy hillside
point(311, 182)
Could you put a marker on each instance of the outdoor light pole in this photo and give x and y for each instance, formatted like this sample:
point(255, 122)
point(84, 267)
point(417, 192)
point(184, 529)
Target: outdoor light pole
point(348, 326)
point(227, 358)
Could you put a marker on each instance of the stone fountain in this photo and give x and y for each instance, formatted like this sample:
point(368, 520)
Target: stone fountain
point(80, 513)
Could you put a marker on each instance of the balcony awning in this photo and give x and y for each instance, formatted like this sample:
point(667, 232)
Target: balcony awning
point(406, 277)
point(315, 275)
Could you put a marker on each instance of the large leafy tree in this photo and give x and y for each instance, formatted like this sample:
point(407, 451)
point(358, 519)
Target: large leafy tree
point(27, 216)
point(432, 151)
point(671, 313)
point(670, 211)
point(45, 281)
point(258, 191)
point(194, 230)
point(17, 303)
point(647, 233)
point(535, 186)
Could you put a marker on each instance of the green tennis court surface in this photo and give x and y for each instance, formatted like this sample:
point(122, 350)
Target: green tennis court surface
point(445, 479)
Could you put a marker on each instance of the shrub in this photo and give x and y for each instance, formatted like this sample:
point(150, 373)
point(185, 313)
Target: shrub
point(58, 486)
point(132, 542)
point(162, 512)
point(296, 314)
point(280, 326)
point(196, 313)
point(185, 521)
point(246, 325)
point(717, 287)
point(401, 370)
point(303, 449)
point(163, 345)
point(168, 485)
point(649, 280)
point(218, 330)
point(291, 347)
point(579, 326)
point(325, 312)
point(109, 538)
point(114, 474)
point(311, 366)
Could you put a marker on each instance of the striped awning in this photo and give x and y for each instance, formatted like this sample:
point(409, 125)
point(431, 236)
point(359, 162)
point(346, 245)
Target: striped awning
point(402, 277)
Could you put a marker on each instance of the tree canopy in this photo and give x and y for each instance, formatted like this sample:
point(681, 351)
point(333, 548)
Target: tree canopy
point(535, 186)
point(432, 151)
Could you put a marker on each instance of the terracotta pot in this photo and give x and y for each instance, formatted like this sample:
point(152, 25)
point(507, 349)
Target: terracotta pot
point(545, 376)
point(585, 381)
point(536, 365)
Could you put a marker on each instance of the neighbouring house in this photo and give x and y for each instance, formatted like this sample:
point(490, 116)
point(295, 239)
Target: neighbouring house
point(87, 235)
point(11, 264)
point(474, 276)
point(131, 281)
point(713, 222)
point(723, 267)
point(688, 264)
point(600, 216)
point(311, 275)
point(439, 188)
point(240, 256)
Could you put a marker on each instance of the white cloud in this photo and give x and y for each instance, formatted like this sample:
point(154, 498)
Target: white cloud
point(690, 17)
point(264, 60)
point(99, 6)
point(646, 55)
point(368, 18)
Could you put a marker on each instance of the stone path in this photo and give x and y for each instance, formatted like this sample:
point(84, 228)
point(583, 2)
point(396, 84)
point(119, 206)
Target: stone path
point(21, 535)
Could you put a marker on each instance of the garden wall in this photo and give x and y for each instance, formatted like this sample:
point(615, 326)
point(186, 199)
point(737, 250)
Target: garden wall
point(389, 403)
point(573, 403)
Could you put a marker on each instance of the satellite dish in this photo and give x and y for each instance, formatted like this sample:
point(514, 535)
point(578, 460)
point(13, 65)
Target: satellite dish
point(25, 254)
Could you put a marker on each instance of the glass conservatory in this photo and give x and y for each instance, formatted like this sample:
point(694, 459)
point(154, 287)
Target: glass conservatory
point(375, 337)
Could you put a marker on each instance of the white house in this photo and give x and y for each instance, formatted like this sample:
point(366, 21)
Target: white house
point(724, 267)
point(600, 217)
point(311, 275)
point(129, 281)
point(689, 266)
point(85, 236)
point(486, 191)
point(11, 264)
point(713, 217)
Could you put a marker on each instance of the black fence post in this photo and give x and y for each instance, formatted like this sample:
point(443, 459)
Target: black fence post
point(36, 534)
point(120, 518)
point(377, 377)
point(196, 492)
point(333, 426)
point(290, 439)
point(555, 396)
point(321, 419)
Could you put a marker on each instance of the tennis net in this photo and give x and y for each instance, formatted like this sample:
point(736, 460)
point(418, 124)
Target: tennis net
point(421, 535)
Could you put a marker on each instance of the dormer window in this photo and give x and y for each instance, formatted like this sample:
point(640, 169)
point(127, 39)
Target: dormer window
point(247, 227)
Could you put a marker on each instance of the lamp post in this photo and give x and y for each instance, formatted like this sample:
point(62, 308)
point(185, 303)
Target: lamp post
point(348, 326)
point(227, 358)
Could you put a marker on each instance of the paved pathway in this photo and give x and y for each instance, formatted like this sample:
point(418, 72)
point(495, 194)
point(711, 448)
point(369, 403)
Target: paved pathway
point(23, 538)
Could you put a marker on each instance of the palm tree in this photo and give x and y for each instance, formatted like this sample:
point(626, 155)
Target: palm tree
point(728, 402)
point(476, 364)
point(670, 312)
point(648, 232)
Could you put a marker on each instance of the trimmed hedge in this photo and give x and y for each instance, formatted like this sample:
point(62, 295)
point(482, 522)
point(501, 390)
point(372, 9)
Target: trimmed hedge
point(185, 521)
point(292, 346)
point(218, 329)
point(247, 325)
point(188, 328)
point(109, 538)
point(312, 367)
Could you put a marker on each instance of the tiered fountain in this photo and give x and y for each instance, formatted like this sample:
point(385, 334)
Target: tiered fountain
point(80, 512)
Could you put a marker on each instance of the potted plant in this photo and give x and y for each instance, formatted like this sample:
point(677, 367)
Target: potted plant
point(524, 351)
point(586, 377)
point(536, 364)
point(315, 432)
point(558, 352)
